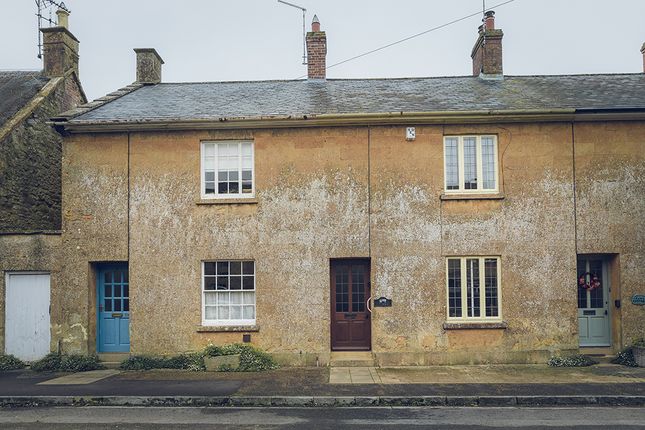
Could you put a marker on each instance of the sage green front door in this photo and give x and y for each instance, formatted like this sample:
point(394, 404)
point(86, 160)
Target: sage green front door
point(593, 302)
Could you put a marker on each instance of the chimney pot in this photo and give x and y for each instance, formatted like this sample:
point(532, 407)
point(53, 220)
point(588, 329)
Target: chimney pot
point(489, 20)
point(316, 51)
point(643, 52)
point(62, 15)
point(148, 66)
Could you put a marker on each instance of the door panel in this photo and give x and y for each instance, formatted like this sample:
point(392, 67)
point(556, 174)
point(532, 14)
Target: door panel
point(593, 303)
point(113, 309)
point(350, 318)
point(27, 322)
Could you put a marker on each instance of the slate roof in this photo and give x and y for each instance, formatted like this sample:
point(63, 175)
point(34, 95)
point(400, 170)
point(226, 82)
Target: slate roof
point(216, 100)
point(16, 89)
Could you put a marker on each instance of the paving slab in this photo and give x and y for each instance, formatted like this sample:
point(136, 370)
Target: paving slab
point(81, 378)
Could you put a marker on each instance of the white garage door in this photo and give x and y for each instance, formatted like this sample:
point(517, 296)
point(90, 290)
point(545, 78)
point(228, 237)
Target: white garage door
point(27, 332)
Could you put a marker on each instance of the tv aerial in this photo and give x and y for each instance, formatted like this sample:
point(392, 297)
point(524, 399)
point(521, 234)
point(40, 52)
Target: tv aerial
point(45, 18)
point(304, 46)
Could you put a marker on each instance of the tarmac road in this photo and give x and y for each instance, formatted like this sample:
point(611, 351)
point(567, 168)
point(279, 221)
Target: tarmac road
point(322, 418)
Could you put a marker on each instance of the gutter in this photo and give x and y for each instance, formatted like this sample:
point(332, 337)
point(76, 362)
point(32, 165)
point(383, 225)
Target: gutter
point(353, 119)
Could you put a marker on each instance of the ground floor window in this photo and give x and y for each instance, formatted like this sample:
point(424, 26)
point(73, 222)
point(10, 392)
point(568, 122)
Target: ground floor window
point(228, 292)
point(473, 285)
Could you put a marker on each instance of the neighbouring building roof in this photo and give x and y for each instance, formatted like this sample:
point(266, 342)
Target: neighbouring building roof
point(17, 88)
point(262, 99)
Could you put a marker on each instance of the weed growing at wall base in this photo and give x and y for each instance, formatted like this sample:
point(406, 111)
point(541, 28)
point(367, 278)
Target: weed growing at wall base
point(9, 362)
point(55, 362)
point(571, 361)
point(251, 359)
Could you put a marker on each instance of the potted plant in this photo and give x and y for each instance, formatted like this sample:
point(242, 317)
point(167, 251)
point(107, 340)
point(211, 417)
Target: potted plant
point(638, 349)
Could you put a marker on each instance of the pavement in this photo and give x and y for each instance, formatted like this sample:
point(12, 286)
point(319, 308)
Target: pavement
point(492, 385)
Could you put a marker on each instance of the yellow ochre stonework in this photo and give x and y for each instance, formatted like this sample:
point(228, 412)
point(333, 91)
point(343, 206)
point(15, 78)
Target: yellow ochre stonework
point(360, 191)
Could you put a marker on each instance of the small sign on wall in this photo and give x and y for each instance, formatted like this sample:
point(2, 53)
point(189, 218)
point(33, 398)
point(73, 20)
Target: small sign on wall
point(382, 302)
point(638, 299)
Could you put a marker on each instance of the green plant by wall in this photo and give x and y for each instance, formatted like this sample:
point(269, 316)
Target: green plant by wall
point(251, 359)
point(55, 362)
point(9, 362)
point(571, 361)
point(626, 358)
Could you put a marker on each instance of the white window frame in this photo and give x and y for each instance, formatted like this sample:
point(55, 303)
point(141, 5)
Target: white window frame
point(229, 322)
point(482, 290)
point(460, 163)
point(202, 168)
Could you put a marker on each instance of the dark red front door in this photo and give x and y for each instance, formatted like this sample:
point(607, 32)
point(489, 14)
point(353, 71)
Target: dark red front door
point(350, 319)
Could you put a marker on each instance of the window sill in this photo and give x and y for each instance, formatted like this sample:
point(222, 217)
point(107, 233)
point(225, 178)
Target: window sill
point(227, 328)
point(247, 201)
point(475, 325)
point(492, 196)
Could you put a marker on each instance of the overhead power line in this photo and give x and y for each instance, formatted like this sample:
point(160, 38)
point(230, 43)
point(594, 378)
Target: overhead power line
point(412, 37)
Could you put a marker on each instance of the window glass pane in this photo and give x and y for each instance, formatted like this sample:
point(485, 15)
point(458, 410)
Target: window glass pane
point(209, 176)
point(222, 298)
point(358, 289)
point(108, 291)
point(452, 163)
point(342, 289)
point(454, 288)
point(210, 298)
point(236, 312)
point(235, 282)
point(595, 292)
point(223, 312)
point(470, 163)
point(472, 287)
point(235, 267)
point(222, 283)
point(209, 268)
point(236, 298)
point(222, 267)
point(210, 313)
point(248, 312)
point(234, 187)
point(107, 277)
point(490, 283)
point(117, 291)
point(210, 283)
point(248, 298)
point(582, 279)
point(488, 163)
point(222, 188)
point(126, 290)
point(117, 305)
point(107, 306)
point(126, 305)
point(247, 149)
point(209, 149)
point(247, 282)
point(248, 267)
point(246, 175)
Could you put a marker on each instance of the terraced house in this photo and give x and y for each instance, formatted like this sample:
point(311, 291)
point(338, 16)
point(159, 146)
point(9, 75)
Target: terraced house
point(483, 218)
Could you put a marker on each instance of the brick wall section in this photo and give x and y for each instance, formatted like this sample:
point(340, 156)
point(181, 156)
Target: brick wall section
point(30, 166)
point(487, 53)
point(316, 55)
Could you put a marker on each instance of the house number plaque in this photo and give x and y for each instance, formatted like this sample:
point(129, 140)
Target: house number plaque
point(382, 302)
point(638, 299)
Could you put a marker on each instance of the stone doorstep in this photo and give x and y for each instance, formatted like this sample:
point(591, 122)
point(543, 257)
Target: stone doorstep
point(352, 359)
point(323, 401)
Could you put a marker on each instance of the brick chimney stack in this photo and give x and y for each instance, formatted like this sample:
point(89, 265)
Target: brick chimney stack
point(60, 47)
point(316, 51)
point(148, 66)
point(487, 52)
point(643, 52)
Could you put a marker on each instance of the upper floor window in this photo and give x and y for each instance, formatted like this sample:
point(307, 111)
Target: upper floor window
point(227, 169)
point(473, 288)
point(470, 164)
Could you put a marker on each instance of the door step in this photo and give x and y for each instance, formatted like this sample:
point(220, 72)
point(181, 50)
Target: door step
point(601, 358)
point(352, 359)
point(112, 360)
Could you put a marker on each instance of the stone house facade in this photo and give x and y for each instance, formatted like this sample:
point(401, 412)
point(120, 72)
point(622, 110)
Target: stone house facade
point(483, 218)
point(30, 187)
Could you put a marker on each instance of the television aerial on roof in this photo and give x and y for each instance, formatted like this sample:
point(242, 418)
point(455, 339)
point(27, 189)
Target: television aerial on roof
point(304, 47)
point(45, 17)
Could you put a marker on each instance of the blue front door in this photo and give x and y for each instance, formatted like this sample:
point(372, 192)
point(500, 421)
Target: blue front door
point(113, 302)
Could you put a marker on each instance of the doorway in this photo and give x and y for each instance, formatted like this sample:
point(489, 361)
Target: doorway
point(113, 308)
point(351, 328)
point(594, 326)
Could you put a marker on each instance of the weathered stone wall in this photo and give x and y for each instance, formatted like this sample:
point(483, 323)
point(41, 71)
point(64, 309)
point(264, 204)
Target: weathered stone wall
point(30, 166)
point(95, 229)
point(320, 196)
point(37, 252)
point(610, 190)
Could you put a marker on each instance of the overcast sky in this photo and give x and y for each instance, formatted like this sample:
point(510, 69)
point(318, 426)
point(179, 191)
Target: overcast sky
point(216, 40)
